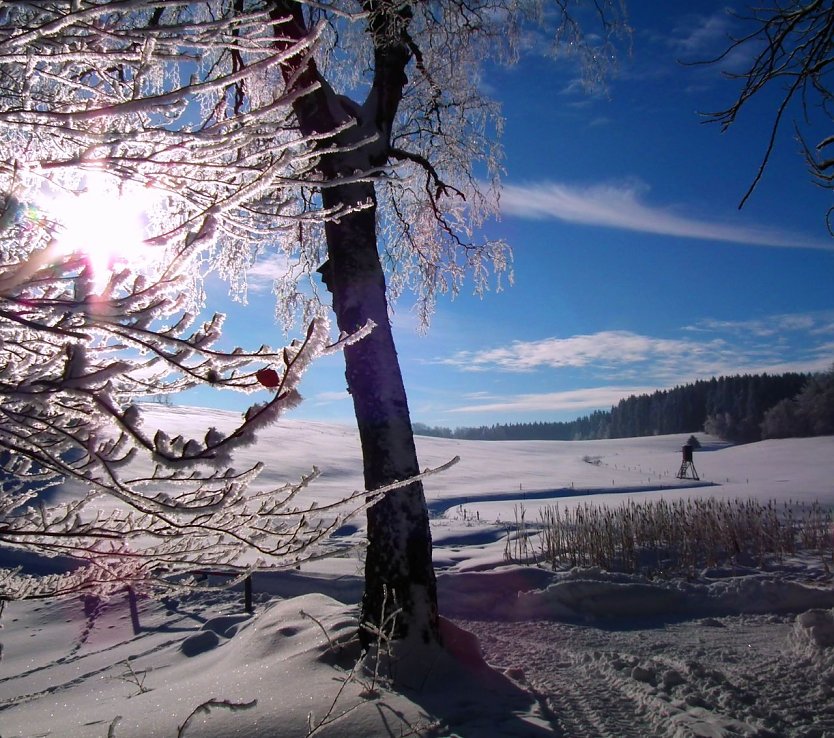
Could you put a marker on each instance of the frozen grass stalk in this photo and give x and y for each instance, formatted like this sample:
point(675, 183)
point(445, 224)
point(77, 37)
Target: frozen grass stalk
point(662, 538)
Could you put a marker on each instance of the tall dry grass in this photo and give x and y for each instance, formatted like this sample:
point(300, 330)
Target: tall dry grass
point(672, 537)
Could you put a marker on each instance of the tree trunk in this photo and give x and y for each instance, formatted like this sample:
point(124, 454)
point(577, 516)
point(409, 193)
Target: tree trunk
point(398, 568)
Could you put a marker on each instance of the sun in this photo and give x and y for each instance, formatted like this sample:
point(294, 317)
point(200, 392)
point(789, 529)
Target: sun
point(107, 222)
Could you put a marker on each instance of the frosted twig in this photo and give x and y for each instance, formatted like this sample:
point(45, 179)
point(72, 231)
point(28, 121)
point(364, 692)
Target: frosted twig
point(206, 708)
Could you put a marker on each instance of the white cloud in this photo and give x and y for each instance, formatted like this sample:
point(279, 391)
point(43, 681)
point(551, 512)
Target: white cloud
point(811, 364)
point(582, 401)
point(615, 364)
point(703, 34)
point(621, 207)
point(325, 398)
point(606, 348)
point(776, 344)
point(707, 42)
point(266, 270)
point(571, 400)
point(826, 353)
point(816, 323)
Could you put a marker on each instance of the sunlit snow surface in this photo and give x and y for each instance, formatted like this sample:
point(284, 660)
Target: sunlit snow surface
point(576, 653)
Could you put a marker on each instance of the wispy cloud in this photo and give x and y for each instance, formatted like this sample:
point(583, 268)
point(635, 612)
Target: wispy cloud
point(621, 206)
point(772, 325)
point(572, 400)
point(701, 39)
point(266, 270)
point(612, 360)
point(326, 398)
point(605, 349)
point(703, 34)
point(662, 371)
point(611, 365)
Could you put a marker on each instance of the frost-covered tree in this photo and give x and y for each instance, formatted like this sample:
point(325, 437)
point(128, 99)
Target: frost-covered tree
point(75, 361)
point(412, 169)
point(97, 283)
point(809, 413)
point(351, 137)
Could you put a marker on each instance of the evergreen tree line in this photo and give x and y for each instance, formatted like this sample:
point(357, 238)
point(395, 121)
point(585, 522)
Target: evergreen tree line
point(741, 409)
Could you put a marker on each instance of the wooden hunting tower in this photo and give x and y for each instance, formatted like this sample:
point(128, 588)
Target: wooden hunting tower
point(687, 470)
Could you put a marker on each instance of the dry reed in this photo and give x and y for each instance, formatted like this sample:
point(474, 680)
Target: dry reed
point(665, 537)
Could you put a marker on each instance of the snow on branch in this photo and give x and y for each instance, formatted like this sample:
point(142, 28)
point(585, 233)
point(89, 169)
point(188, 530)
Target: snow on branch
point(175, 109)
point(184, 100)
point(74, 365)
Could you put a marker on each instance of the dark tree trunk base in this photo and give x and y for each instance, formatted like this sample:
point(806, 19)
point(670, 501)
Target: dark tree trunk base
point(399, 573)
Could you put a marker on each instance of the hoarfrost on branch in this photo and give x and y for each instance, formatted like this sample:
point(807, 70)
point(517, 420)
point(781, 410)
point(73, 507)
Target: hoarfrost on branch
point(123, 99)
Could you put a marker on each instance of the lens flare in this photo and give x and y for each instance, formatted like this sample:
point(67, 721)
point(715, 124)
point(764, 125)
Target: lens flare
point(106, 221)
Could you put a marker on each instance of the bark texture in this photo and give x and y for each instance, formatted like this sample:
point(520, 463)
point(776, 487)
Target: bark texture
point(398, 567)
point(398, 571)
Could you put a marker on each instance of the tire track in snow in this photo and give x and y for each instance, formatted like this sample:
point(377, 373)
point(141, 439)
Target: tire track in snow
point(578, 699)
point(732, 676)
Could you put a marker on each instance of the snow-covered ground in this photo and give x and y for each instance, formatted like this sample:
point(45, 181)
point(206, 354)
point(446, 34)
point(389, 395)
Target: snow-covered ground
point(530, 652)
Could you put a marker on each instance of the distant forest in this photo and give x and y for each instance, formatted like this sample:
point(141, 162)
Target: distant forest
point(740, 409)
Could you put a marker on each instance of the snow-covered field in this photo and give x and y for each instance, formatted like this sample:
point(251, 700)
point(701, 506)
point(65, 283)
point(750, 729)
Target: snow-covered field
point(529, 652)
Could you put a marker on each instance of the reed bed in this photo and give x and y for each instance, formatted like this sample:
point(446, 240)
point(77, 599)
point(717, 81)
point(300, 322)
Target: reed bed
point(673, 537)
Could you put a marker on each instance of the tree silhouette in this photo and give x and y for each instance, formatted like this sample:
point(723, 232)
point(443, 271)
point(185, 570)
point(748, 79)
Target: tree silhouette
point(790, 52)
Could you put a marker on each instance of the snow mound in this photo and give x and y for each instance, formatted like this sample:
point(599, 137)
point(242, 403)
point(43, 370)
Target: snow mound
point(817, 627)
point(530, 593)
point(593, 594)
point(813, 636)
point(293, 667)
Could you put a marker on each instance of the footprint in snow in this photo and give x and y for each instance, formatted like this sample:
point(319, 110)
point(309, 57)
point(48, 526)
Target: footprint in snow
point(213, 632)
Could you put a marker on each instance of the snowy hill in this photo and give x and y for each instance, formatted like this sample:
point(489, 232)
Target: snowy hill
point(573, 653)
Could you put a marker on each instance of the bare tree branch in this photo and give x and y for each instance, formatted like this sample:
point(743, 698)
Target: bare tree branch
point(792, 53)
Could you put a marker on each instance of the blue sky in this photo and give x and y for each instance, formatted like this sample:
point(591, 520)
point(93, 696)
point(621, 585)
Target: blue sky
point(634, 268)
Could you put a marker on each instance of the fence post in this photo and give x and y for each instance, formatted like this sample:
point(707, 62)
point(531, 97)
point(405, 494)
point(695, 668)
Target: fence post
point(134, 610)
point(247, 594)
